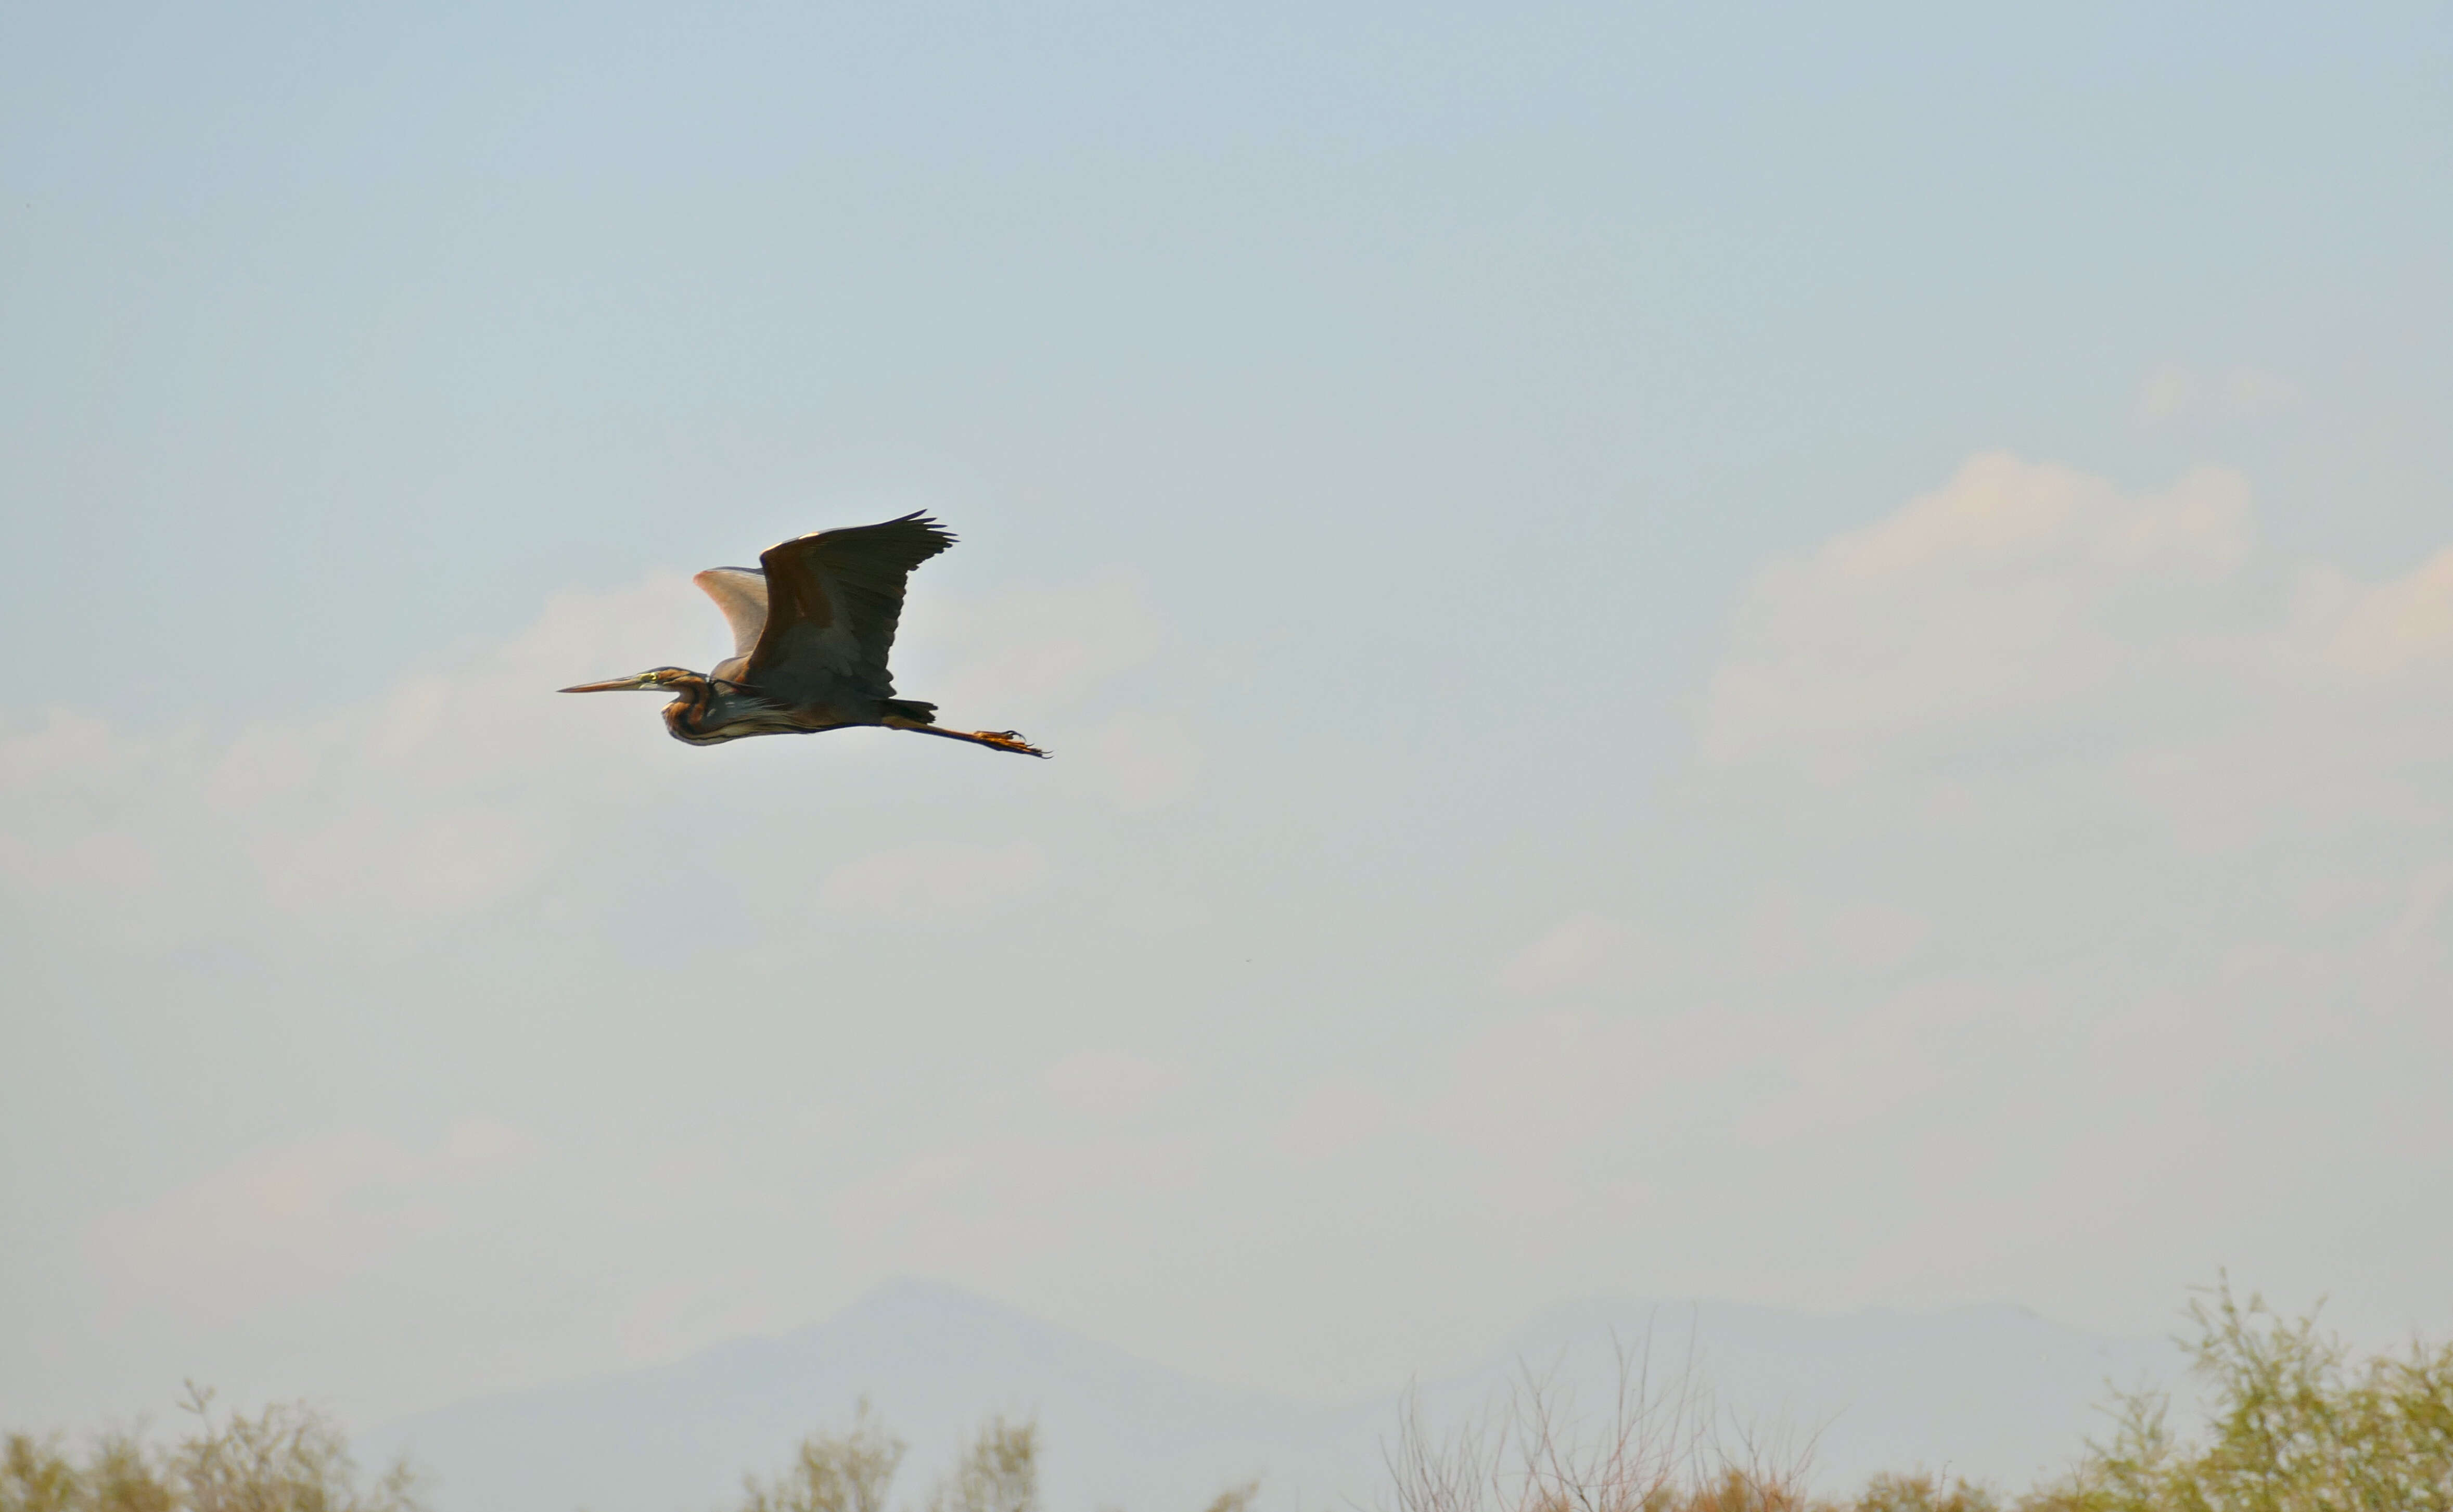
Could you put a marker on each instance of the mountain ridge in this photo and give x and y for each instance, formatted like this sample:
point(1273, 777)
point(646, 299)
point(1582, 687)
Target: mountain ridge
point(1991, 1390)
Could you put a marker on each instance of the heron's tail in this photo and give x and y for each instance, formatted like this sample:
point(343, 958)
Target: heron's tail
point(912, 710)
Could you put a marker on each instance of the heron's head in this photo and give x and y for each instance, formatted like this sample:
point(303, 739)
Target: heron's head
point(650, 681)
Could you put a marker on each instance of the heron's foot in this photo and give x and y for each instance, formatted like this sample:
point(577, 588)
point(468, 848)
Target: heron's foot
point(1009, 740)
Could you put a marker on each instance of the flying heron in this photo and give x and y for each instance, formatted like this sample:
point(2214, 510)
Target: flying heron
point(811, 627)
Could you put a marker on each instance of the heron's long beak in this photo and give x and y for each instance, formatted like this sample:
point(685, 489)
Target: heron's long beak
point(615, 686)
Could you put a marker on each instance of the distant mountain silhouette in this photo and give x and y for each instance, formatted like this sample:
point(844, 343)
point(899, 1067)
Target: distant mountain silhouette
point(1993, 1392)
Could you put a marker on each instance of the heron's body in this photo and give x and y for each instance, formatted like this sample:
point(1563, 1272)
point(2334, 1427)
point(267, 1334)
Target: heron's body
point(812, 625)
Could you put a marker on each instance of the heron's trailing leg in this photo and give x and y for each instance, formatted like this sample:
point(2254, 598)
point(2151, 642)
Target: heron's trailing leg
point(993, 739)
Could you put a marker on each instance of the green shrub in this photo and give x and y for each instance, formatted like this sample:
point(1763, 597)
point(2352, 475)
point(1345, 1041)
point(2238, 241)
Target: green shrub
point(1923, 1493)
point(287, 1458)
point(833, 1472)
point(998, 1473)
point(2295, 1423)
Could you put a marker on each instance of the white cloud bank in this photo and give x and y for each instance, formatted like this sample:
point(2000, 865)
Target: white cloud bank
point(2013, 587)
point(2146, 634)
point(2099, 896)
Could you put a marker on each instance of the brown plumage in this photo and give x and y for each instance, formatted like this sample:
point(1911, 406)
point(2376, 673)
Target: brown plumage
point(812, 627)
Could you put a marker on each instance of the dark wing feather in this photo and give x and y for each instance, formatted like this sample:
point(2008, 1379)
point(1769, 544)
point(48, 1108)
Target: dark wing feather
point(832, 603)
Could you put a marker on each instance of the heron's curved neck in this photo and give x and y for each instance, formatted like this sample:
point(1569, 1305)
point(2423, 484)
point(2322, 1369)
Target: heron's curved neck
point(691, 696)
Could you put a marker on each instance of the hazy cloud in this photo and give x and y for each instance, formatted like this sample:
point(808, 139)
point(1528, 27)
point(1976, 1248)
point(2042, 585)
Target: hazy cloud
point(69, 746)
point(1148, 761)
point(442, 795)
point(970, 1209)
point(679, 1315)
point(1786, 935)
point(934, 882)
point(1578, 950)
point(2175, 392)
point(291, 1220)
point(1036, 647)
point(1333, 1118)
point(2014, 587)
point(105, 861)
point(1111, 1083)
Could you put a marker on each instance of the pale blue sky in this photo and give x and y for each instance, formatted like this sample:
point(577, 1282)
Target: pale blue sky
point(1475, 873)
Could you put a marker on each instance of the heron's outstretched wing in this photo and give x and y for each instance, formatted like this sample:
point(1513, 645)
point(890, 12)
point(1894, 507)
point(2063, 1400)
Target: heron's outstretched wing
point(832, 603)
point(741, 593)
